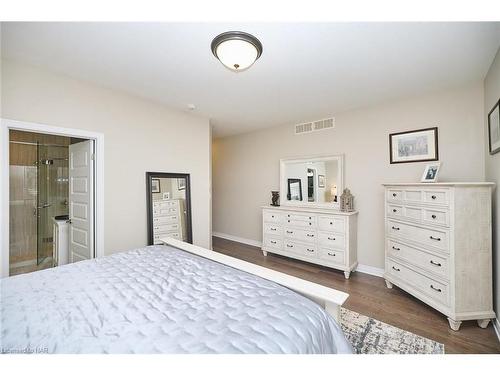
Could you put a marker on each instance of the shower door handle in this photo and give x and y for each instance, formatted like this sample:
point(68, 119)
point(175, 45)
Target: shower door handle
point(46, 205)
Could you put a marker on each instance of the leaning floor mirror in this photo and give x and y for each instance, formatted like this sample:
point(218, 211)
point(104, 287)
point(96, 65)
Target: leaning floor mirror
point(168, 206)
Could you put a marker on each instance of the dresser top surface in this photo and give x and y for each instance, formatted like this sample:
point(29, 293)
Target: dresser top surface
point(310, 209)
point(437, 184)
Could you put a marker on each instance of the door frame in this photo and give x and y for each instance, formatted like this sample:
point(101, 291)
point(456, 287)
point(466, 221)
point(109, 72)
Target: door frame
point(98, 138)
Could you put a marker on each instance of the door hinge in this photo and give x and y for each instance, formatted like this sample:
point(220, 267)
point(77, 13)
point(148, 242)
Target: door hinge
point(92, 157)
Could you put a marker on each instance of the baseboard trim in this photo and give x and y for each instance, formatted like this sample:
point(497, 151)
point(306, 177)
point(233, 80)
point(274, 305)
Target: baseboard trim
point(496, 326)
point(369, 270)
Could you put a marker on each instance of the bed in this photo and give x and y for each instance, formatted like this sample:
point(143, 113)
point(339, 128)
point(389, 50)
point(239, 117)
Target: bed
point(170, 298)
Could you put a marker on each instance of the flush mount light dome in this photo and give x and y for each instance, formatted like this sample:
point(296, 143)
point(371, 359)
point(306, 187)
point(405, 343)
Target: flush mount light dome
point(236, 50)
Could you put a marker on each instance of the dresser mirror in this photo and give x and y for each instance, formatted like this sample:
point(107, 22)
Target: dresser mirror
point(312, 181)
point(168, 206)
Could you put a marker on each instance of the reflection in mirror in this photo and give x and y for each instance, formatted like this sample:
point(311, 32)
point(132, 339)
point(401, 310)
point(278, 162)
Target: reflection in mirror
point(294, 189)
point(168, 196)
point(313, 180)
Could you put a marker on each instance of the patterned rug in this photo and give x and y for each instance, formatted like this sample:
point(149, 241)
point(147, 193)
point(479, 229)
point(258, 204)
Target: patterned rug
point(370, 336)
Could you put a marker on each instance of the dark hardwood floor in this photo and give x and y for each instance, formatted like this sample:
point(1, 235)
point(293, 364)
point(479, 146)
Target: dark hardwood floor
point(368, 295)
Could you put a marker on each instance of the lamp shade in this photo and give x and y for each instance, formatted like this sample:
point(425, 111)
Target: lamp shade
point(236, 50)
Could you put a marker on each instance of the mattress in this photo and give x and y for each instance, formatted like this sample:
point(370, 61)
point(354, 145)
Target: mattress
point(159, 299)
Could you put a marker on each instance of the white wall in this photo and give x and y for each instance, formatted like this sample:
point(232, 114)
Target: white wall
point(492, 166)
point(246, 167)
point(140, 136)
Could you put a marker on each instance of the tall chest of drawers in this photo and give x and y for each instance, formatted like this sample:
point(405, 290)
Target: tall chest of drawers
point(168, 217)
point(321, 236)
point(438, 247)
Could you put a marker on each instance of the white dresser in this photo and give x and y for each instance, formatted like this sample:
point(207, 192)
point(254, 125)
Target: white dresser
point(168, 219)
point(438, 247)
point(322, 236)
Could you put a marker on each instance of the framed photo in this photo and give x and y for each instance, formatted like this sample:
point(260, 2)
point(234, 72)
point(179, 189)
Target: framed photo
point(494, 128)
point(155, 185)
point(431, 172)
point(414, 146)
point(321, 181)
point(166, 195)
point(181, 184)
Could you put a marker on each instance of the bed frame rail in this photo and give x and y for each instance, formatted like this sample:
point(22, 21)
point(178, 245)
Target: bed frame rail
point(330, 299)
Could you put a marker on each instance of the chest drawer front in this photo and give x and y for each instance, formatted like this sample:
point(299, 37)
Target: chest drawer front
point(300, 217)
point(301, 249)
point(436, 290)
point(165, 228)
point(300, 234)
point(165, 219)
point(331, 240)
point(300, 223)
point(437, 265)
point(332, 224)
point(413, 195)
point(273, 217)
point(441, 197)
point(395, 195)
point(274, 243)
point(165, 204)
point(435, 237)
point(436, 216)
point(330, 255)
point(165, 211)
point(273, 229)
point(394, 210)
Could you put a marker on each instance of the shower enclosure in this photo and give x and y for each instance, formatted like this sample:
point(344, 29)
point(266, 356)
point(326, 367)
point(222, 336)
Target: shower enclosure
point(38, 193)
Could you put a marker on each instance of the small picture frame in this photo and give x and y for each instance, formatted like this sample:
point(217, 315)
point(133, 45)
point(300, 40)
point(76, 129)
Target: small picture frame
point(155, 185)
point(494, 129)
point(431, 172)
point(166, 195)
point(321, 181)
point(181, 184)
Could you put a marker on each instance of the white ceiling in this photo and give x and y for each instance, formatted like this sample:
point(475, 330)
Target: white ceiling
point(306, 72)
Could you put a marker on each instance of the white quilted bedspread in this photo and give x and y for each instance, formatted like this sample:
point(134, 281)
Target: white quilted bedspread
point(159, 299)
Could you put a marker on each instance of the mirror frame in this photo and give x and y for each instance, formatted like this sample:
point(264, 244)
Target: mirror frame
point(149, 202)
point(284, 187)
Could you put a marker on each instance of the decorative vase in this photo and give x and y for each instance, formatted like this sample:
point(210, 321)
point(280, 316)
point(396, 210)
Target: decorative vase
point(275, 198)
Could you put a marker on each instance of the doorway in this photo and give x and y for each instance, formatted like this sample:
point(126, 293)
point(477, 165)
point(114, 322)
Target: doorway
point(50, 176)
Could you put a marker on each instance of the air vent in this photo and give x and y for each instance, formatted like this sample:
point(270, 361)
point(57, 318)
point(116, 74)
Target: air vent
point(304, 128)
point(309, 127)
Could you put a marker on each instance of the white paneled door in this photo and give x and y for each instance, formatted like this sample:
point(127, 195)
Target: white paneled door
point(81, 201)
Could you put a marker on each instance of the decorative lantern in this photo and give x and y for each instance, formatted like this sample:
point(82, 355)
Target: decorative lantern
point(275, 198)
point(347, 201)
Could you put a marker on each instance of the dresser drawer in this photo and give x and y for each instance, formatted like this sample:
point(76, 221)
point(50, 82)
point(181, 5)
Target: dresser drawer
point(332, 223)
point(436, 290)
point(437, 265)
point(394, 195)
point(157, 237)
point(161, 211)
point(300, 217)
point(273, 229)
point(165, 228)
point(274, 243)
point(437, 216)
point(330, 255)
point(165, 204)
point(430, 237)
point(165, 219)
point(441, 197)
point(301, 249)
point(405, 212)
point(331, 240)
point(301, 223)
point(273, 217)
point(300, 234)
point(413, 196)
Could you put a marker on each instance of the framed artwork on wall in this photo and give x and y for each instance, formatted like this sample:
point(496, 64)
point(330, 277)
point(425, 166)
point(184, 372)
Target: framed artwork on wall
point(494, 129)
point(155, 185)
point(181, 184)
point(414, 146)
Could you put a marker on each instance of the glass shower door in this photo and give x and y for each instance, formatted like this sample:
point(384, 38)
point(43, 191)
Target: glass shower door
point(44, 237)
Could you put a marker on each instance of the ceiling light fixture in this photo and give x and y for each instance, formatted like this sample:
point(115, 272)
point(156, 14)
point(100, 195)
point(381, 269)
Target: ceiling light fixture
point(236, 50)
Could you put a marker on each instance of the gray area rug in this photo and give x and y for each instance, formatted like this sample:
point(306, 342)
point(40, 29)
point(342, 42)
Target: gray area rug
point(371, 336)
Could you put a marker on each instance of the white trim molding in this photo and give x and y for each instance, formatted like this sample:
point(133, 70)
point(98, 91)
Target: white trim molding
point(98, 138)
point(369, 270)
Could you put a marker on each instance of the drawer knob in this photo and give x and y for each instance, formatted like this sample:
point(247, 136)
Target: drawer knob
point(310, 235)
point(436, 264)
point(287, 245)
point(435, 238)
point(394, 210)
point(288, 220)
point(310, 250)
point(395, 228)
point(272, 216)
point(332, 254)
point(288, 215)
point(433, 197)
point(273, 242)
point(395, 269)
point(310, 217)
point(394, 194)
point(273, 229)
point(331, 238)
point(289, 232)
point(433, 216)
point(396, 248)
point(331, 223)
point(310, 223)
point(436, 289)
